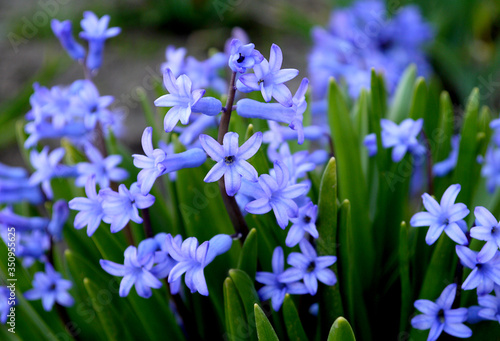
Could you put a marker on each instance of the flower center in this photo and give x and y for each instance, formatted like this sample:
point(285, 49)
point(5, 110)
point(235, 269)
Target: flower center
point(311, 267)
point(307, 219)
point(52, 287)
point(229, 159)
point(440, 315)
point(240, 59)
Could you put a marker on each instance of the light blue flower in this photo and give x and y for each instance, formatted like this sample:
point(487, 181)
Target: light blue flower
point(275, 193)
point(184, 101)
point(446, 216)
point(491, 168)
point(310, 267)
point(438, 316)
point(402, 137)
point(21, 223)
point(50, 287)
point(231, 159)
point(268, 79)
point(273, 288)
point(444, 167)
point(488, 229)
point(490, 307)
point(483, 276)
point(174, 60)
point(304, 222)
point(4, 304)
point(60, 213)
point(134, 272)
point(63, 32)
point(91, 212)
point(370, 143)
point(243, 57)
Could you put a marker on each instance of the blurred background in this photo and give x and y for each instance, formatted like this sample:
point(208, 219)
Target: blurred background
point(465, 52)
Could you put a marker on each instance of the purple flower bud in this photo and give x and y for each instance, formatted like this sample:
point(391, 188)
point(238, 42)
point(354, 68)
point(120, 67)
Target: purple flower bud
point(63, 32)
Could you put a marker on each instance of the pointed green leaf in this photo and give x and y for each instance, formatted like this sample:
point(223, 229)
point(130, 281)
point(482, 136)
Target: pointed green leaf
point(352, 184)
point(402, 98)
point(265, 331)
point(419, 100)
point(236, 320)
point(248, 296)
point(293, 324)
point(248, 255)
point(341, 331)
point(404, 273)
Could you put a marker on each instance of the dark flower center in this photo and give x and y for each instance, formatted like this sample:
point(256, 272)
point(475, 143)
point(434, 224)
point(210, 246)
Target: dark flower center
point(93, 109)
point(240, 59)
point(311, 267)
point(307, 219)
point(229, 159)
point(440, 315)
point(52, 287)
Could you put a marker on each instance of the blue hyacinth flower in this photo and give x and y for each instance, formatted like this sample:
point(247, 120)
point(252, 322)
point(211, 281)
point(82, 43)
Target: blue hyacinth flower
point(488, 229)
point(63, 32)
point(483, 276)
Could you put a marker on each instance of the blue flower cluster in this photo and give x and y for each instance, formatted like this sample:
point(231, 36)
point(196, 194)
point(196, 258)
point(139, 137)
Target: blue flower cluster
point(449, 216)
point(365, 36)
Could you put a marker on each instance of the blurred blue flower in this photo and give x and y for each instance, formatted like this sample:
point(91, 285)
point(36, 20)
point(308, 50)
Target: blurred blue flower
point(490, 307)
point(304, 222)
point(275, 193)
point(370, 143)
point(310, 267)
point(438, 316)
point(104, 170)
point(273, 288)
point(231, 159)
point(156, 162)
point(92, 106)
point(91, 211)
point(15, 186)
point(445, 166)
point(269, 79)
point(51, 288)
point(207, 73)
point(174, 60)
point(491, 168)
point(96, 31)
point(299, 163)
point(184, 101)
point(60, 213)
point(122, 206)
point(243, 57)
point(63, 32)
point(488, 229)
point(192, 259)
point(4, 304)
point(403, 137)
point(361, 37)
point(134, 272)
point(483, 276)
point(9, 218)
point(290, 114)
point(446, 216)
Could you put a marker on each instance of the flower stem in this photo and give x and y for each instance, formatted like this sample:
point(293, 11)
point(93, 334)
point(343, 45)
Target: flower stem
point(147, 223)
point(428, 155)
point(237, 219)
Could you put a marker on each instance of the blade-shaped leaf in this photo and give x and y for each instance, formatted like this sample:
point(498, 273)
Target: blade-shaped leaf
point(293, 324)
point(265, 331)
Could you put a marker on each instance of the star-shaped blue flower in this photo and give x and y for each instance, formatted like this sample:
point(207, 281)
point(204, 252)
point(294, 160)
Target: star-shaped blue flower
point(402, 137)
point(91, 212)
point(446, 216)
point(243, 57)
point(51, 288)
point(488, 229)
point(438, 316)
point(483, 276)
point(231, 159)
point(134, 272)
point(304, 222)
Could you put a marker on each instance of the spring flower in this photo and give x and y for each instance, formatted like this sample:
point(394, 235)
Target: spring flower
point(446, 216)
point(304, 222)
point(269, 79)
point(156, 162)
point(192, 259)
point(231, 159)
point(243, 57)
point(370, 143)
point(96, 31)
point(309, 267)
point(276, 194)
point(9, 218)
point(122, 206)
point(402, 137)
point(174, 60)
point(483, 276)
point(491, 168)
point(51, 288)
point(290, 114)
point(444, 167)
point(105, 170)
point(488, 229)
point(30, 245)
point(438, 316)
point(63, 32)
point(206, 73)
point(47, 167)
point(15, 186)
point(134, 272)
point(94, 107)
point(277, 134)
point(60, 213)
point(91, 212)
point(273, 288)
point(490, 307)
point(184, 101)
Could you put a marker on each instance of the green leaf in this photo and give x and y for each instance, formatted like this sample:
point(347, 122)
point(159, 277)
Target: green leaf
point(236, 321)
point(404, 273)
point(352, 184)
point(341, 331)
point(419, 101)
point(265, 331)
point(402, 98)
point(330, 302)
point(248, 296)
point(467, 153)
point(293, 324)
point(113, 326)
point(248, 255)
